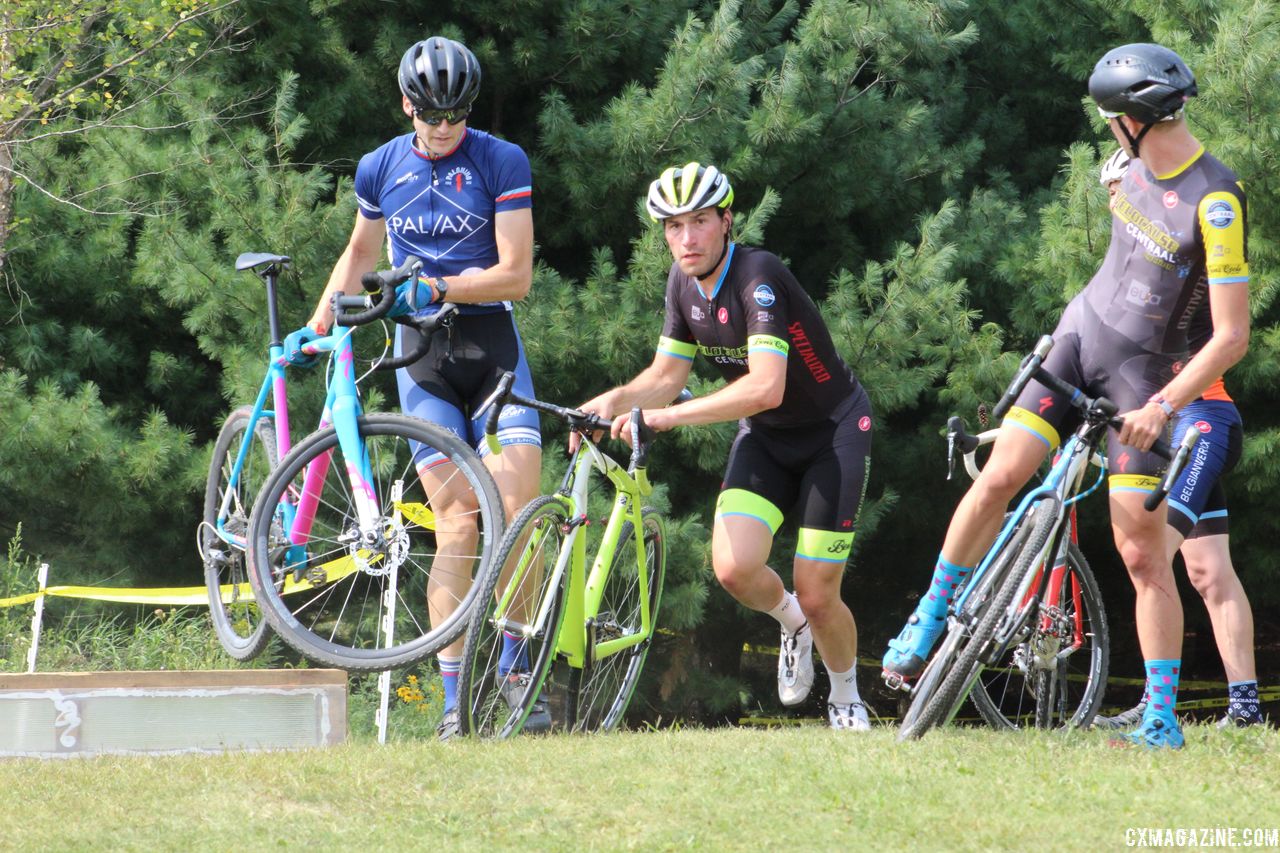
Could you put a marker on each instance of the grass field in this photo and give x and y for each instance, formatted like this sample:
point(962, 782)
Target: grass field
point(802, 788)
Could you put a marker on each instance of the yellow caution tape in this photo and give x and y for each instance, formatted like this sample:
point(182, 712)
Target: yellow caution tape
point(334, 570)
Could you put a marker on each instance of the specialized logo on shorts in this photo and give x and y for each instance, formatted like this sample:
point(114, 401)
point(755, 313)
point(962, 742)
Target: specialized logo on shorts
point(1046, 403)
point(458, 177)
point(1123, 462)
point(723, 315)
point(764, 296)
point(847, 523)
point(1220, 214)
point(1177, 368)
point(1204, 427)
point(1171, 199)
point(864, 423)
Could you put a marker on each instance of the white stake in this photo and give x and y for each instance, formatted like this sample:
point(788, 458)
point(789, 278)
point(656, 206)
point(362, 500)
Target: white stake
point(37, 618)
point(389, 619)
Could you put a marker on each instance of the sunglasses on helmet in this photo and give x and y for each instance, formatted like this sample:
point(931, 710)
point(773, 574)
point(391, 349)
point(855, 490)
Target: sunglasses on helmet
point(434, 117)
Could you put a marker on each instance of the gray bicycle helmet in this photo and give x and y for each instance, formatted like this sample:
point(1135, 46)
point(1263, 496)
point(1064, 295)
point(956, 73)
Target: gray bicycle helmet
point(439, 74)
point(1146, 82)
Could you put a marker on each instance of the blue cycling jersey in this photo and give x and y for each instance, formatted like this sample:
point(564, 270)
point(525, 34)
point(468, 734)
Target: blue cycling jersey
point(442, 209)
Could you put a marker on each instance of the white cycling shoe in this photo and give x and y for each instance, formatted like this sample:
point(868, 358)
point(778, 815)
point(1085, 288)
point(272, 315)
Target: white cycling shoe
point(795, 665)
point(849, 718)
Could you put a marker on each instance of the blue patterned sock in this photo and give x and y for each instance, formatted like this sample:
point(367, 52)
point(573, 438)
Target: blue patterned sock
point(515, 655)
point(946, 577)
point(1162, 689)
point(449, 676)
point(1242, 702)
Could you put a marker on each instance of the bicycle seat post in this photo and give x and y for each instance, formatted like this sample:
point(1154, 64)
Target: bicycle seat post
point(269, 275)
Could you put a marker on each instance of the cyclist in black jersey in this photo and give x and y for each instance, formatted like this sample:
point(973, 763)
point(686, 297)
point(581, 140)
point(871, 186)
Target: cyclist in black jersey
point(804, 434)
point(1176, 222)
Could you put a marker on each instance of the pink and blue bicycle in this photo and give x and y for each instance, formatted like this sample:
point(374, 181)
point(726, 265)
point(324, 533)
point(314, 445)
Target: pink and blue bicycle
point(347, 545)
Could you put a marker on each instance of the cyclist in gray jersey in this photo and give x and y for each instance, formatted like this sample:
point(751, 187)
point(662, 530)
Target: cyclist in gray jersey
point(1198, 518)
point(1178, 217)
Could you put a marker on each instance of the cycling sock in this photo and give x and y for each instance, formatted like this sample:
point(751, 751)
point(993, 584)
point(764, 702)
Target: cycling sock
point(946, 577)
point(787, 612)
point(1242, 702)
point(515, 655)
point(844, 686)
point(1162, 689)
point(449, 675)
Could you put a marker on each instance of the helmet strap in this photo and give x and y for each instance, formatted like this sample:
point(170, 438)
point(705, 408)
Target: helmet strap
point(723, 249)
point(1134, 140)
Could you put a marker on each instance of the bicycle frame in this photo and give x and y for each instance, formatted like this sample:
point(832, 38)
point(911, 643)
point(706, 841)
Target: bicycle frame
point(342, 409)
point(576, 641)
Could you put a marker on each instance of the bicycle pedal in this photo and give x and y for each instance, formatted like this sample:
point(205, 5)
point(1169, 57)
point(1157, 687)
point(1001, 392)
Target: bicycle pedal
point(895, 681)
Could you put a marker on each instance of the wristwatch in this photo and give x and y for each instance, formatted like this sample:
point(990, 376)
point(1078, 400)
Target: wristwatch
point(441, 287)
point(1164, 405)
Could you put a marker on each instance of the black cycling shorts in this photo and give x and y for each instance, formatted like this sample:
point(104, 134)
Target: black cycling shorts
point(448, 385)
point(816, 473)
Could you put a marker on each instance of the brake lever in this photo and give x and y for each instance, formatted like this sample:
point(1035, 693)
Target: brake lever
point(951, 453)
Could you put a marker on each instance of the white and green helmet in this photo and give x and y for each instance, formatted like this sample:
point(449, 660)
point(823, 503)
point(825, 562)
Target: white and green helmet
point(1114, 167)
point(683, 189)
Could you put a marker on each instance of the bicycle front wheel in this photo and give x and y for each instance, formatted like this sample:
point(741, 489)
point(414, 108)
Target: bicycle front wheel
point(987, 615)
point(1057, 676)
point(600, 693)
point(511, 640)
point(239, 624)
point(332, 590)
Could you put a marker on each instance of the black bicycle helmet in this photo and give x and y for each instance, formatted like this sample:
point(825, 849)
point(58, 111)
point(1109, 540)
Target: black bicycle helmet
point(1146, 82)
point(439, 74)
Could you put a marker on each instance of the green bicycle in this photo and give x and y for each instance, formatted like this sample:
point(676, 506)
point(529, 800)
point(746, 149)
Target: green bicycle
point(540, 604)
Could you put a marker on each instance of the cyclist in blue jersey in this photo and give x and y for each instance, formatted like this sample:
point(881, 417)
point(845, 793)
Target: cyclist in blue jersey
point(460, 199)
point(1198, 521)
point(804, 436)
point(1177, 238)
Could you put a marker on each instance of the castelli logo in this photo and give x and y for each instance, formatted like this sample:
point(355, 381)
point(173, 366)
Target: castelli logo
point(1177, 368)
point(864, 423)
point(723, 315)
point(1204, 427)
point(1171, 199)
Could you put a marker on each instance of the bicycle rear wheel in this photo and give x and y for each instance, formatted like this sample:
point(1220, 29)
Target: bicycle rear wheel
point(326, 590)
point(939, 708)
point(600, 693)
point(1057, 676)
point(238, 622)
point(509, 649)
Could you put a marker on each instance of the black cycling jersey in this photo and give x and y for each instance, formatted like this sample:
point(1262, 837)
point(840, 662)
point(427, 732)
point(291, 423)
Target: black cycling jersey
point(757, 305)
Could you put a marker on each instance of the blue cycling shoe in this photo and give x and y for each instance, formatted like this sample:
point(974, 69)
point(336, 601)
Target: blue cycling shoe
point(908, 651)
point(1157, 733)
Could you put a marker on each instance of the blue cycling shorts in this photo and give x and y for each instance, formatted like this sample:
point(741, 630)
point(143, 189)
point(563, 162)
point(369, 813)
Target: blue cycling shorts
point(453, 380)
point(1197, 503)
